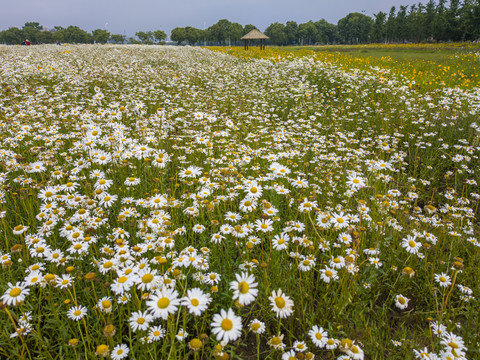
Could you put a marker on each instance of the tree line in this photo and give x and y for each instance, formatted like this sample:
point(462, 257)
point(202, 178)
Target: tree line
point(459, 21)
point(36, 34)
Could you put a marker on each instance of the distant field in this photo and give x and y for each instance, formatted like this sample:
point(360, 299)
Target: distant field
point(436, 53)
point(425, 66)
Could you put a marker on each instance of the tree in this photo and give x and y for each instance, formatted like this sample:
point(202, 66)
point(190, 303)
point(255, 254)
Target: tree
point(118, 38)
point(390, 25)
point(452, 18)
point(32, 24)
point(355, 28)
point(276, 33)
point(247, 28)
point(146, 37)
point(159, 35)
point(45, 37)
point(416, 23)
point(178, 34)
point(192, 35)
point(73, 34)
point(378, 29)
point(307, 33)
point(100, 36)
point(440, 22)
point(12, 36)
point(429, 18)
point(401, 25)
point(30, 31)
point(234, 32)
point(132, 40)
point(291, 31)
point(326, 32)
point(218, 32)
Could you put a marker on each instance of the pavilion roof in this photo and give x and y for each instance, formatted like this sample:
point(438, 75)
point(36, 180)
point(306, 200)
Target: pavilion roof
point(255, 34)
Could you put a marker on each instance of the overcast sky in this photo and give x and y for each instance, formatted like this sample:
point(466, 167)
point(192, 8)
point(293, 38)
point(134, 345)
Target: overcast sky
point(129, 16)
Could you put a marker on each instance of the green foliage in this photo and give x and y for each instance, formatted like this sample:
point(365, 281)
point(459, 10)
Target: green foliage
point(146, 37)
point(179, 35)
point(118, 38)
point(159, 35)
point(100, 36)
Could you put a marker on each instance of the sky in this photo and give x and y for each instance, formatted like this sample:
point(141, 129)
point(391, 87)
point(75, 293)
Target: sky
point(130, 16)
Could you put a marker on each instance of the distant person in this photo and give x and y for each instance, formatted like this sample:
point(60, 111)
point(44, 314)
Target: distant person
point(27, 42)
point(23, 42)
point(58, 42)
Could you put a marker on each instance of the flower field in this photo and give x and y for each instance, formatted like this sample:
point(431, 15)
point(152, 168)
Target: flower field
point(180, 202)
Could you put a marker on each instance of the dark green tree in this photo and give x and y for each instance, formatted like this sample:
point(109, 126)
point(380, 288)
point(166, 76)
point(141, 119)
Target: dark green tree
point(12, 36)
point(247, 28)
point(326, 32)
point(355, 28)
point(159, 36)
point(146, 37)
point(178, 34)
point(45, 37)
point(276, 33)
point(31, 30)
point(452, 18)
point(291, 31)
point(390, 25)
point(379, 26)
point(218, 32)
point(235, 32)
point(118, 38)
point(401, 26)
point(100, 36)
point(307, 33)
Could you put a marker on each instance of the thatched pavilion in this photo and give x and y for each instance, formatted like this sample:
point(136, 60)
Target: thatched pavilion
point(255, 34)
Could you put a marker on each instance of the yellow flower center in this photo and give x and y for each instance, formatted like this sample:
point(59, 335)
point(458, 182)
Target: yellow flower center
point(227, 324)
point(140, 321)
point(412, 243)
point(77, 312)
point(122, 279)
point(102, 349)
point(15, 292)
point(106, 304)
point(194, 302)
point(163, 303)
point(276, 340)
point(280, 302)
point(253, 190)
point(243, 287)
point(147, 278)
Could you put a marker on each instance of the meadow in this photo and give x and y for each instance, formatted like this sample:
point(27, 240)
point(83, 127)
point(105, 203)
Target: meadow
point(184, 202)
